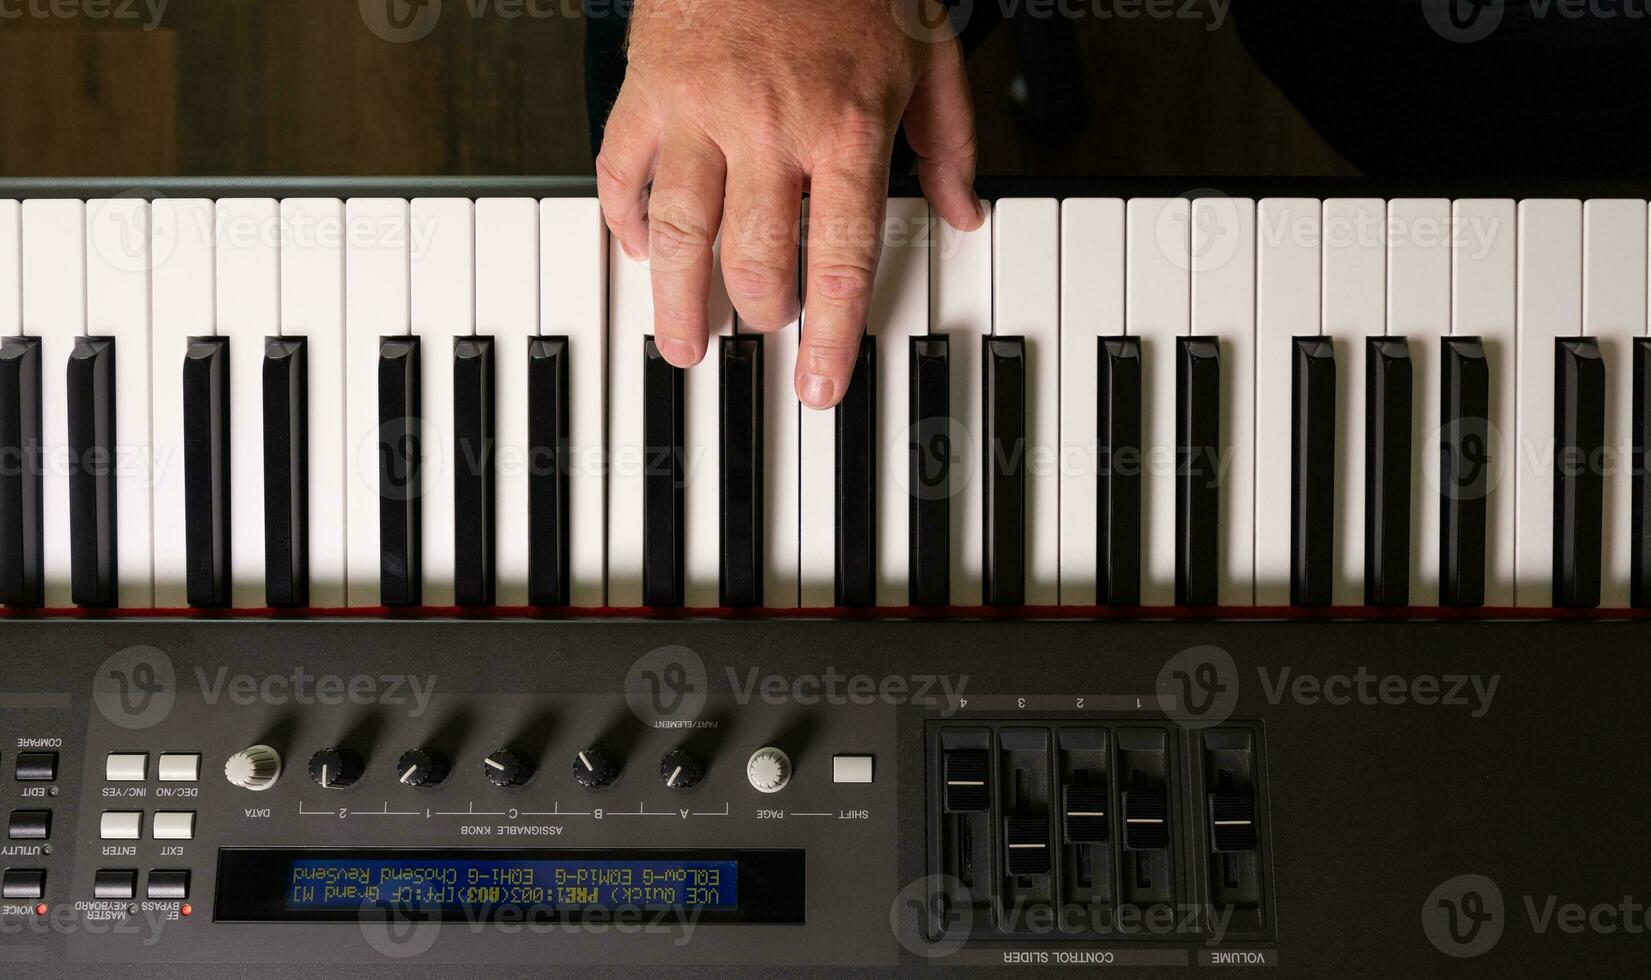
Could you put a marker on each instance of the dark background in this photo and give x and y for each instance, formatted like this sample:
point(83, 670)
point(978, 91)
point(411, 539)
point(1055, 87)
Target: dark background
point(303, 87)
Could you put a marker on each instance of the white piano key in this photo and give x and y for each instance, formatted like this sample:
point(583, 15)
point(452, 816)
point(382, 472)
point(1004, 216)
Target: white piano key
point(444, 308)
point(701, 465)
point(248, 304)
point(1158, 310)
point(1026, 270)
point(630, 319)
point(1353, 308)
point(182, 253)
point(1550, 305)
point(573, 303)
point(816, 484)
point(960, 290)
point(1092, 306)
point(378, 294)
point(781, 419)
point(117, 305)
point(899, 311)
point(1613, 310)
point(11, 269)
point(507, 309)
point(54, 309)
point(1290, 257)
point(1482, 297)
point(1418, 308)
point(312, 307)
point(1223, 305)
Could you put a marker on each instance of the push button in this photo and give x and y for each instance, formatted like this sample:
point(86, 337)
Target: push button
point(169, 883)
point(23, 883)
point(121, 824)
point(115, 883)
point(178, 767)
point(173, 825)
point(30, 825)
point(36, 767)
point(851, 768)
point(126, 767)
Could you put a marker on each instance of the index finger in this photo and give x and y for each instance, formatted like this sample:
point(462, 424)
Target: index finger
point(846, 208)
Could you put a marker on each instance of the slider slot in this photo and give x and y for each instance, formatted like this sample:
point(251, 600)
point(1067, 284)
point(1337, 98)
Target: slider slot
point(474, 441)
point(1118, 490)
point(1312, 471)
point(856, 579)
point(206, 471)
point(1464, 480)
point(22, 530)
point(663, 493)
point(1387, 472)
point(1197, 484)
point(549, 556)
point(1004, 551)
point(931, 458)
point(1579, 484)
point(400, 431)
point(286, 472)
point(740, 576)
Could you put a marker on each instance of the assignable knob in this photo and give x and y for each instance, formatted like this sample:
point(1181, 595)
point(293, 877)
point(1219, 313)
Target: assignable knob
point(768, 769)
point(422, 767)
point(335, 768)
point(507, 767)
point(593, 768)
point(680, 769)
point(255, 768)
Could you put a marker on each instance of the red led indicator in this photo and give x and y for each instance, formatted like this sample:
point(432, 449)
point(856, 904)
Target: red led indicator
point(40, 909)
point(185, 909)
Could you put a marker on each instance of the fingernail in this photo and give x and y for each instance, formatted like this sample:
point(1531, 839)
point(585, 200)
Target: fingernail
point(630, 250)
point(818, 391)
point(679, 352)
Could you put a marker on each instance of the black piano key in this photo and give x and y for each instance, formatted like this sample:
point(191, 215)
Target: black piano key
point(930, 474)
point(1118, 493)
point(474, 440)
point(662, 482)
point(22, 528)
point(91, 391)
point(401, 559)
point(740, 433)
point(206, 451)
point(1387, 472)
point(286, 472)
point(1579, 483)
point(1640, 576)
point(1312, 471)
point(1198, 472)
point(1464, 471)
point(1004, 503)
point(856, 421)
point(549, 558)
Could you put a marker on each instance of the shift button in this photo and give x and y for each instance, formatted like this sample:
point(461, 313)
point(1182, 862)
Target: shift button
point(126, 767)
point(851, 768)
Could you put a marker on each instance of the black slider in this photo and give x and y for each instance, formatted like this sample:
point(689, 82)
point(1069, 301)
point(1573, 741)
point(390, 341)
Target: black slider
point(1004, 503)
point(1464, 471)
point(740, 570)
point(1640, 576)
point(549, 559)
point(967, 788)
point(91, 389)
point(1387, 472)
point(931, 462)
point(1026, 845)
point(1146, 820)
point(1198, 471)
point(22, 531)
point(1083, 813)
point(857, 482)
point(474, 440)
point(662, 485)
point(206, 470)
point(1119, 462)
point(1232, 822)
point(1579, 484)
point(401, 566)
point(1312, 471)
point(286, 472)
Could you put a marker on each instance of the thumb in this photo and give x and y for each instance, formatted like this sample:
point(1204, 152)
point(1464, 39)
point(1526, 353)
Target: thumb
point(940, 125)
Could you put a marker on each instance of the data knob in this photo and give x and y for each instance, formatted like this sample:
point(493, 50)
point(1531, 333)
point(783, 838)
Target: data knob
point(680, 769)
point(335, 768)
point(421, 767)
point(255, 768)
point(507, 767)
point(593, 768)
point(768, 769)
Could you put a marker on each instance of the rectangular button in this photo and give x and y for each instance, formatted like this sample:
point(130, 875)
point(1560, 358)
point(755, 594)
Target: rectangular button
point(115, 883)
point(173, 825)
point(126, 767)
point(121, 825)
point(851, 768)
point(30, 825)
point(178, 767)
point(23, 883)
point(36, 766)
point(168, 883)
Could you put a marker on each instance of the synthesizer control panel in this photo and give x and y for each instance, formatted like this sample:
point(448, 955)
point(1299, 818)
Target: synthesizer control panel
point(591, 798)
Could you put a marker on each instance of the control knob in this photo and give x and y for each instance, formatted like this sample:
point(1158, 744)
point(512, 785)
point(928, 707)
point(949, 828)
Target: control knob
point(768, 769)
point(255, 768)
point(335, 768)
point(422, 767)
point(507, 768)
point(593, 768)
point(680, 769)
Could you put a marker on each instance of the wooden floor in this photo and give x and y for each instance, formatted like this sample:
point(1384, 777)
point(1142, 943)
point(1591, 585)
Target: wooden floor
point(295, 87)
